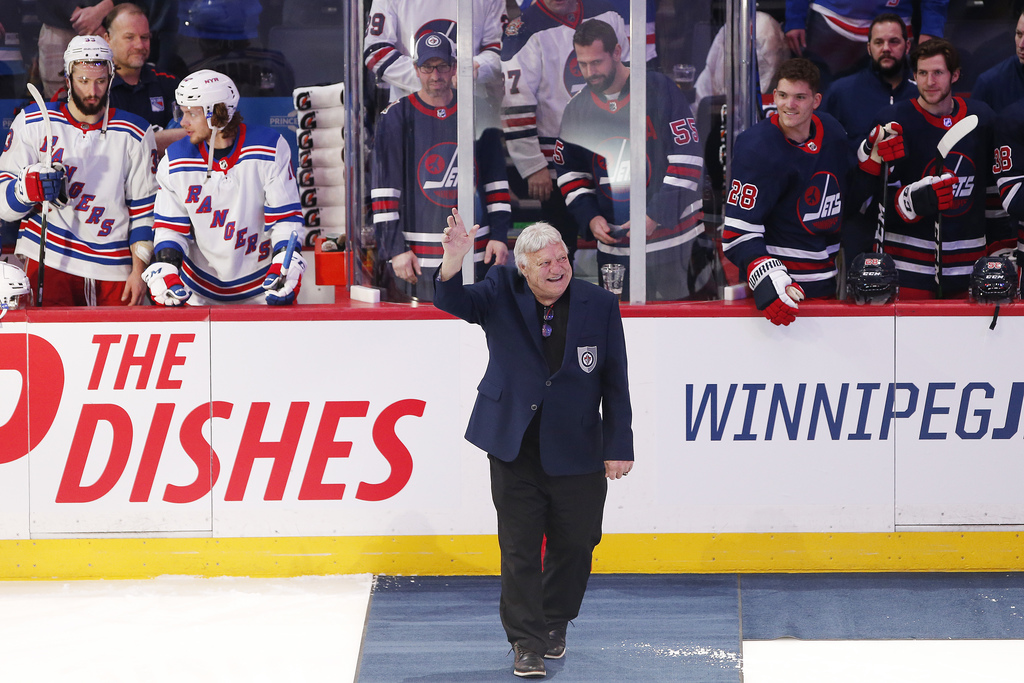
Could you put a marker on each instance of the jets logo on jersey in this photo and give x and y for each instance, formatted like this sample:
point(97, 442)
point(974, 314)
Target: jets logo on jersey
point(611, 168)
point(963, 168)
point(821, 204)
point(444, 26)
point(438, 174)
point(572, 77)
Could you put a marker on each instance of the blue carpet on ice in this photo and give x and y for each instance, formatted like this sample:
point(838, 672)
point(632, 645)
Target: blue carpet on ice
point(631, 628)
point(883, 606)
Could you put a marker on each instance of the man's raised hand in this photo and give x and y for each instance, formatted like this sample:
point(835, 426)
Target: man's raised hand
point(456, 243)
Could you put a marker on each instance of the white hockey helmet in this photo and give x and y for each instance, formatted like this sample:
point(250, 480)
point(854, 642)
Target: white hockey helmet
point(13, 285)
point(206, 88)
point(92, 49)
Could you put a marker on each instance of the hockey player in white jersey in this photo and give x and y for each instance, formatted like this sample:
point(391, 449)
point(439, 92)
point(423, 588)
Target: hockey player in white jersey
point(394, 26)
point(98, 185)
point(227, 206)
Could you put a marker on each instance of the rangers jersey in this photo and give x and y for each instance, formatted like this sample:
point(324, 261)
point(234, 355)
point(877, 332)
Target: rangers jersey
point(415, 184)
point(541, 75)
point(394, 25)
point(111, 189)
point(227, 226)
point(786, 200)
point(969, 230)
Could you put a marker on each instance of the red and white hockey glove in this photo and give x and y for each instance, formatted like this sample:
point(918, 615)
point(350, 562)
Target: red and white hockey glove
point(39, 183)
point(884, 145)
point(283, 285)
point(775, 293)
point(927, 197)
point(165, 285)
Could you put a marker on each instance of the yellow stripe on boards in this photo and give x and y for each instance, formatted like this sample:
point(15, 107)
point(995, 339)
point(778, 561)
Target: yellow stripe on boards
point(136, 558)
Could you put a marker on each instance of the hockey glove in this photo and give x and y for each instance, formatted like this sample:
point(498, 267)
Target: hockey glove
point(775, 293)
point(40, 183)
point(165, 285)
point(927, 197)
point(884, 145)
point(283, 287)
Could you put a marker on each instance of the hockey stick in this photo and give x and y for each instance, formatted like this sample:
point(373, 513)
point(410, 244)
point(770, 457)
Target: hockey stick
point(46, 204)
point(280, 278)
point(880, 227)
point(953, 136)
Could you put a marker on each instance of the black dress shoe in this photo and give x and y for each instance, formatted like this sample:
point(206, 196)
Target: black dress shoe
point(556, 644)
point(528, 663)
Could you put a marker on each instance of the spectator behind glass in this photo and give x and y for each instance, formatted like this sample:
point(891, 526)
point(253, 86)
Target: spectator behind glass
point(541, 74)
point(1003, 84)
point(415, 173)
point(832, 33)
point(592, 159)
point(138, 87)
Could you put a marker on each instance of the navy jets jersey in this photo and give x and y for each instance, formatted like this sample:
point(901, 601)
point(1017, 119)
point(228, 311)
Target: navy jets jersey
point(786, 200)
point(1009, 167)
point(592, 159)
point(415, 182)
point(541, 74)
point(227, 226)
point(968, 229)
point(111, 186)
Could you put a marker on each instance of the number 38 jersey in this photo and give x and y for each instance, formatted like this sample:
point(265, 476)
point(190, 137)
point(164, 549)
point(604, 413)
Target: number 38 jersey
point(786, 201)
point(228, 225)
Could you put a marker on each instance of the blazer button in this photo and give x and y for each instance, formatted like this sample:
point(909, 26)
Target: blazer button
point(533, 407)
point(548, 383)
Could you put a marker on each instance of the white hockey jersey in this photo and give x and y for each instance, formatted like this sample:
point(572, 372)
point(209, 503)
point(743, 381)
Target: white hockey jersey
point(394, 25)
point(111, 189)
point(541, 75)
point(227, 226)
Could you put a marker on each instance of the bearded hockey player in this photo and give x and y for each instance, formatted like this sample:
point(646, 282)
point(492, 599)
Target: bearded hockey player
point(783, 211)
point(100, 220)
point(936, 222)
point(592, 159)
point(227, 206)
point(415, 176)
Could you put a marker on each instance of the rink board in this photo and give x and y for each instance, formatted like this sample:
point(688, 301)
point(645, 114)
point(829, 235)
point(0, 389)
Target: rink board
point(855, 439)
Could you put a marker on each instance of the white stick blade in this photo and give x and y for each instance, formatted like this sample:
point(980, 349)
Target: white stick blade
point(958, 132)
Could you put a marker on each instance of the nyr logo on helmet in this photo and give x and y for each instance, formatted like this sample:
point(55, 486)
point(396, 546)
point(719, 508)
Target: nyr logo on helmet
point(572, 77)
point(962, 166)
point(821, 204)
point(611, 168)
point(438, 174)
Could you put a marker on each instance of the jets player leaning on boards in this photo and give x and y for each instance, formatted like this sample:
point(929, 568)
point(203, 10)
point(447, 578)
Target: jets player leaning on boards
point(227, 206)
point(783, 212)
point(100, 227)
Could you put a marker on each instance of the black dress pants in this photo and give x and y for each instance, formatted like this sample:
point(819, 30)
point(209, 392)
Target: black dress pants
point(568, 510)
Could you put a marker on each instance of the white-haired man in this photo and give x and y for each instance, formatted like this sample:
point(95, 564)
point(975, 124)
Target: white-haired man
point(553, 422)
point(227, 207)
point(98, 184)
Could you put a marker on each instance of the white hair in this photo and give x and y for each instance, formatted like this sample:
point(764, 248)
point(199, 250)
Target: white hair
point(534, 238)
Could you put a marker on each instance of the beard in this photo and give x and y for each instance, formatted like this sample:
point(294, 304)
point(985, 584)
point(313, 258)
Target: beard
point(601, 84)
point(88, 109)
point(891, 71)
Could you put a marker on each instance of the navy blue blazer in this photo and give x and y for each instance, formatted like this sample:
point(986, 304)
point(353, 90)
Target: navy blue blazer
point(587, 416)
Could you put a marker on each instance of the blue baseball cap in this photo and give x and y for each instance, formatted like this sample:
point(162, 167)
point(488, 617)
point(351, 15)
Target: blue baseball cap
point(434, 44)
